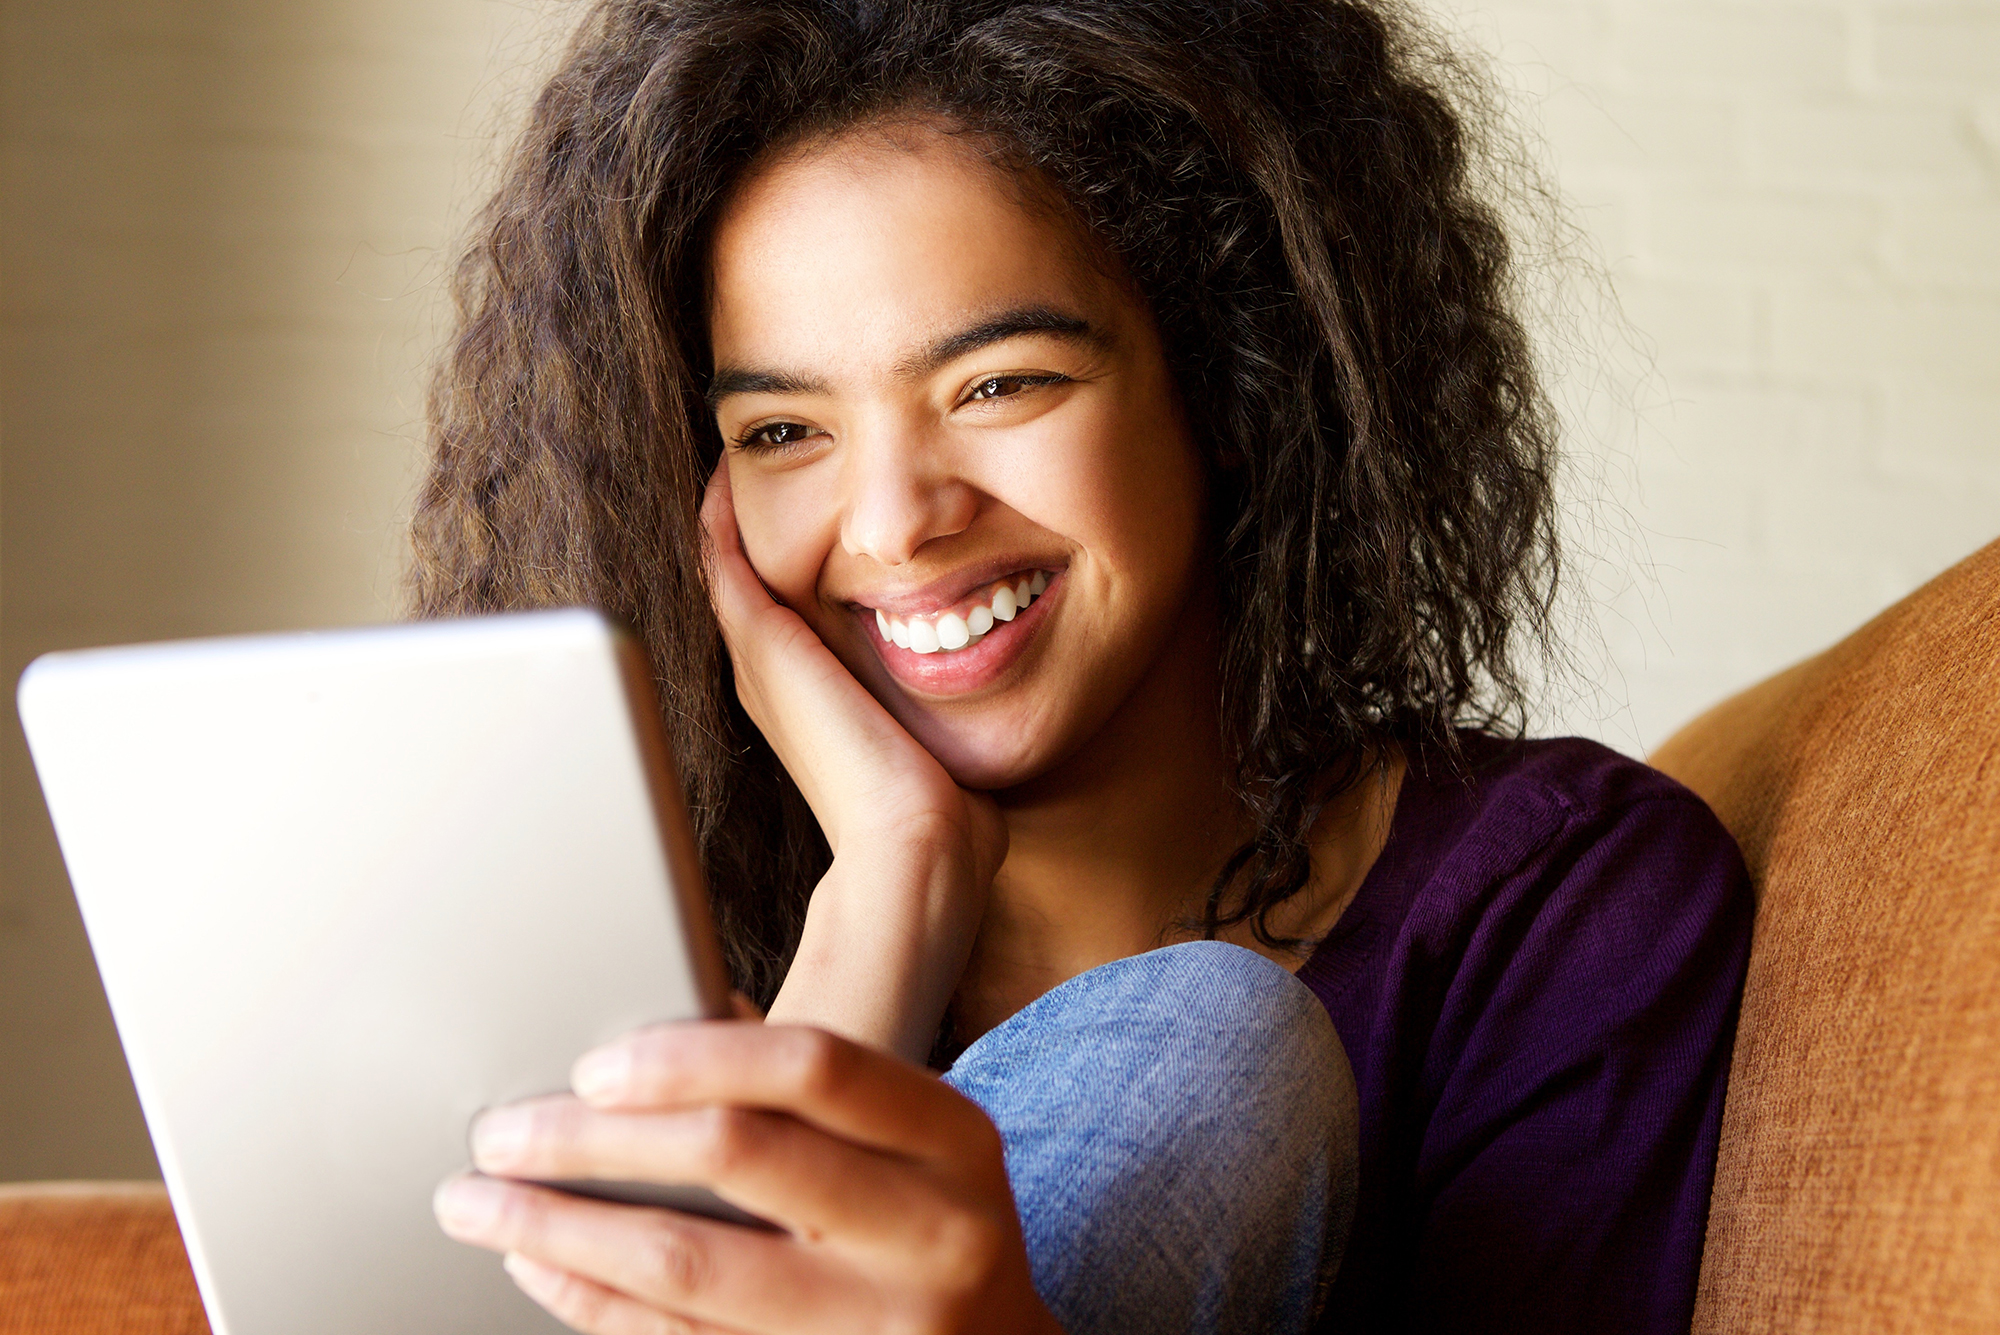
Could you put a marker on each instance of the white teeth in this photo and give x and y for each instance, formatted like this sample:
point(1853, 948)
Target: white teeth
point(952, 631)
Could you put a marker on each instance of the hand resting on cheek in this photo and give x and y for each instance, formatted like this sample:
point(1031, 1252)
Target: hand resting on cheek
point(892, 922)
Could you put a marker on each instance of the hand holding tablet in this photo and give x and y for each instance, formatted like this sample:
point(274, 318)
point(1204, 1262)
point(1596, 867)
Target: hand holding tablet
point(888, 1185)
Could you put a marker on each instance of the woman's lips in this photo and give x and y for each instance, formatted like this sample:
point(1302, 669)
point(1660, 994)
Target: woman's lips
point(963, 646)
point(965, 624)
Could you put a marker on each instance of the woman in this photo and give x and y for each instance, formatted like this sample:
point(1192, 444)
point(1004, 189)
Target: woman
point(1079, 475)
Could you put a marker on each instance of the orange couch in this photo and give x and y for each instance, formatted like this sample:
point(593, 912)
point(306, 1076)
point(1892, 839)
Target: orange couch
point(1858, 1188)
point(94, 1258)
point(1858, 1184)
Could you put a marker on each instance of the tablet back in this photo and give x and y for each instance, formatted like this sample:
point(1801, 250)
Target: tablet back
point(344, 890)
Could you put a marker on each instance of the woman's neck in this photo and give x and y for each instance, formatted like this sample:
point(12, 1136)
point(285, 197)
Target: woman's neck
point(1114, 852)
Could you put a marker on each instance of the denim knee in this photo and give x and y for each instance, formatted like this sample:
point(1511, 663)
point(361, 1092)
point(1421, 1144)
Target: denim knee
point(1180, 1130)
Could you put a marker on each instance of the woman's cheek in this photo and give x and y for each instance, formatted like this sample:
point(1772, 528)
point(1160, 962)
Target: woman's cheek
point(782, 519)
point(1122, 485)
point(1059, 474)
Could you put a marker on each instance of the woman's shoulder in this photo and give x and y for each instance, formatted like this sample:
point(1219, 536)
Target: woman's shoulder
point(1536, 987)
point(1505, 831)
point(1574, 779)
point(1504, 809)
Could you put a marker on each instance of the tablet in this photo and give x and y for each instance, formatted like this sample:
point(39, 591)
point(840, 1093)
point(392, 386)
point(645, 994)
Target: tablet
point(347, 888)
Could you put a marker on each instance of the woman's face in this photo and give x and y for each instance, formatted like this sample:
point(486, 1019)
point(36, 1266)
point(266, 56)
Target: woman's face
point(943, 421)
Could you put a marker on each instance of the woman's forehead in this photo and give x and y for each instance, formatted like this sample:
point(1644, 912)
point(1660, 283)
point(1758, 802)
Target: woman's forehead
point(867, 246)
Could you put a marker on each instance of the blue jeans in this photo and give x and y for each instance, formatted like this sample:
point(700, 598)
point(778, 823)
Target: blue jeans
point(1180, 1135)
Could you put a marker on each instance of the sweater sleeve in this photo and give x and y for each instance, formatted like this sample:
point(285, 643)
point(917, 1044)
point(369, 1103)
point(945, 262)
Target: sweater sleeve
point(1575, 1078)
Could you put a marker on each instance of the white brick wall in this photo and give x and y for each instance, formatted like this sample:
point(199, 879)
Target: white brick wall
point(1798, 205)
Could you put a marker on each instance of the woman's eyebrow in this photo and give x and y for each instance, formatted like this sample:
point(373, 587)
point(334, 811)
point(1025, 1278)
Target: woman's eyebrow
point(729, 380)
point(998, 328)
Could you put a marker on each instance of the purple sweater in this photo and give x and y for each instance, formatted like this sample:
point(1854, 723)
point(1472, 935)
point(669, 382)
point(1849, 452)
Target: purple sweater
point(1537, 986)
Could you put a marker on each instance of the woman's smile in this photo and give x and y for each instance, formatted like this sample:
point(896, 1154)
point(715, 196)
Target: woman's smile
point(960, 646)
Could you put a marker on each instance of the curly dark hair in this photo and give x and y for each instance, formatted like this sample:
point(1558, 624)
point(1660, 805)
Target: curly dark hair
point(1290, 184)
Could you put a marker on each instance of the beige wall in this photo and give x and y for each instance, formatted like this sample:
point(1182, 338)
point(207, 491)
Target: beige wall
point(220, 243)
point(221, 230)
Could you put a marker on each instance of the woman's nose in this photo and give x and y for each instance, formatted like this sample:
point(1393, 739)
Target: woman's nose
point(900, 495)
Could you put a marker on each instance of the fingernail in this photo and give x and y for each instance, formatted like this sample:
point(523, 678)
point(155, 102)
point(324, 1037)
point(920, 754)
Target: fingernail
point(602, 1075)
point(500, 1138)
point(467, 1207)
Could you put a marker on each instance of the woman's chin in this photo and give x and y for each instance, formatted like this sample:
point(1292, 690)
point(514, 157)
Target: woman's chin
point(986, 756)
point(983, 771)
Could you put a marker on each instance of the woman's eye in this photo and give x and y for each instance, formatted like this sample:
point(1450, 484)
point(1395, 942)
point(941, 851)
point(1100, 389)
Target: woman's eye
point(1003, 386)
point(775, 435)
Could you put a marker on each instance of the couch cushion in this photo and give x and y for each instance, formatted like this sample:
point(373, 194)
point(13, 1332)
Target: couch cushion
point(1858, 1185)
point(94, 1258)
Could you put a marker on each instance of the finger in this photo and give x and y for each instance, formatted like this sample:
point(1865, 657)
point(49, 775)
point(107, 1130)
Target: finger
point(799, 1177)
point(585, 1305)
point(718, 507)
point(680, 1263)
point(866, 1096)
point(739, 593)
point(717, 491)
